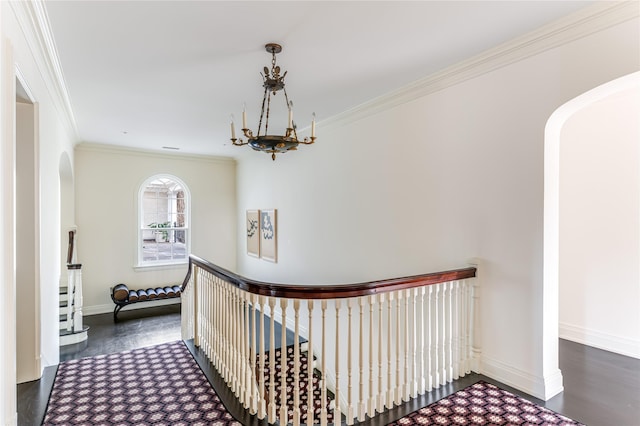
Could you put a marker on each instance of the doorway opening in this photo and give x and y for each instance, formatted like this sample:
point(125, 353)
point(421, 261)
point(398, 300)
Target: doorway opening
point(592, 220)
point(27, 237)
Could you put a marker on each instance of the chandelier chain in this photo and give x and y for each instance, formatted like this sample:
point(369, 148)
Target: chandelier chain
point(264, 98)
point(266, 123)
point(273, 63)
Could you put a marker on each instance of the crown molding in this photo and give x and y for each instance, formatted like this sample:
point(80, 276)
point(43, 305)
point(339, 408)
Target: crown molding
point(562, 31)
point(34, 23)
point(124, 150)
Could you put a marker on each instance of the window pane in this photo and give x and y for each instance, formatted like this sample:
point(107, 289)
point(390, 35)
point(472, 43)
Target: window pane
point(163, 207)
point(179, 250)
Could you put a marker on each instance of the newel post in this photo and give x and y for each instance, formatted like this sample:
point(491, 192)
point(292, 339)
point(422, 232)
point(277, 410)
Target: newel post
point(476, 336)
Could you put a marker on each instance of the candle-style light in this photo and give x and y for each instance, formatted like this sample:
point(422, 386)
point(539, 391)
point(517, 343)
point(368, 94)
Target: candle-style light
point(244, 116)
point(233, 129)
point(313, 125)
point(273, 82)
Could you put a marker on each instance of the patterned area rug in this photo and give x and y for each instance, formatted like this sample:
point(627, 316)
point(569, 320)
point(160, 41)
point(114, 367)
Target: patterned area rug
point(159, 385)
point(484, 404)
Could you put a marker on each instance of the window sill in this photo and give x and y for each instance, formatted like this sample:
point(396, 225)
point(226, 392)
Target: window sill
point(160, 266)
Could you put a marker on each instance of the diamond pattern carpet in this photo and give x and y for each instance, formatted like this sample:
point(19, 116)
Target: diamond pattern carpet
point(158, 385)
point(318, 404)
point(484, 404)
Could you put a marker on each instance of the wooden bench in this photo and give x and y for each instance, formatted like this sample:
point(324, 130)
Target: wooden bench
point(123, 296)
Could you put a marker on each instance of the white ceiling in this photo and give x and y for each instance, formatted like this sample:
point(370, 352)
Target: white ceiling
point(148, 74)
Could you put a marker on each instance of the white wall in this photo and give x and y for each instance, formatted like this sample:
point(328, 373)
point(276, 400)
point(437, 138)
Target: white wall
point(21, 56)
point(107, 183)
point(420, 186)
point(600, 225)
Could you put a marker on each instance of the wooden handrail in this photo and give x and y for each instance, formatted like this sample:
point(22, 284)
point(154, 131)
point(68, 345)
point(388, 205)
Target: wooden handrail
point(335, 291)
point(70, 248)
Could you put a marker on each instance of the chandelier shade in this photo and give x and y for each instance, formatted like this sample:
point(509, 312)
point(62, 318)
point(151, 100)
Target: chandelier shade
point(273, 82)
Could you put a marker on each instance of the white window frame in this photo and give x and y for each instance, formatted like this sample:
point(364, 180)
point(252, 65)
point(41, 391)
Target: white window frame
point(141, 227)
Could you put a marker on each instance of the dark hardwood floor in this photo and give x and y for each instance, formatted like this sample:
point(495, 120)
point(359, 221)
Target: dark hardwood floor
point(601, 388)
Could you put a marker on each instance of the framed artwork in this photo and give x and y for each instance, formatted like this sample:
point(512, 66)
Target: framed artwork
point(269, 235)
point(253, 233)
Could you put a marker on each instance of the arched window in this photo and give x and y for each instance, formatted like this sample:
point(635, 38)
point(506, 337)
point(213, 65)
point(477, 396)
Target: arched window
point(163, 231)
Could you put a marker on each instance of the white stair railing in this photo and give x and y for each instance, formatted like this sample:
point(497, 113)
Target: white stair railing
point(426, 323)
point(73, 312)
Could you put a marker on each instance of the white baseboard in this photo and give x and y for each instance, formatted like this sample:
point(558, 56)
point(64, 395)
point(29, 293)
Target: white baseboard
point(542, 388)
point(108, 308)
point(597, 339)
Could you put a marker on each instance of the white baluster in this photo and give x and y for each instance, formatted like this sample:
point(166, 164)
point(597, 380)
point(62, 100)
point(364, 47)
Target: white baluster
point(406, 388)
point(412, 344)
point(389, 344)
point(381, 389)
point(467, 328)
point(362, 404)
point(310, 395)
point(229, 335)
point(337, 412)
point(441, 335)
point(323, 382)
point(455, 326)
point(435, 369)
point(204, 336)
point(445, 335)
point(450, 334)
point(262, 408)
point(422, 382)
point(203, 313)
point(296, 364)
point(283, 363)
point(398, 344)
point(196, 334)
point(350, 405)
point(223, 330)
point(254, 343)
point(237, 343)
point(272, 361)
point(372, 402)
point(219, 346)
point(246, 356)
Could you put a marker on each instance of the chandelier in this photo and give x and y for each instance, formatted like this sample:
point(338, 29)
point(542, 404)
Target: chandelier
point(273, 82)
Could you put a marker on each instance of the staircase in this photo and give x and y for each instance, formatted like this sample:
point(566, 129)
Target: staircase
point(72, 330)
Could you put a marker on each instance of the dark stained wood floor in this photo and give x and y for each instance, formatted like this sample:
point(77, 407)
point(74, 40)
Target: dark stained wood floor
point(601, 388)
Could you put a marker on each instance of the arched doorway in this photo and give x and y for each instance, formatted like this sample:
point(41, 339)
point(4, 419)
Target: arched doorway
point(553, 197)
